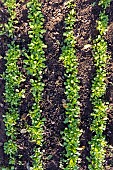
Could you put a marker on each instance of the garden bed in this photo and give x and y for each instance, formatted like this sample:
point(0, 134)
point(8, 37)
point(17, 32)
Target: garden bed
point(46, 90)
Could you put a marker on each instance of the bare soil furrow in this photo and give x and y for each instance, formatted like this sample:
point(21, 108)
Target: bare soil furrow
point(53, 103)
point(85, 32)
point(21, 38)
point(4, 40)
point(53, 95)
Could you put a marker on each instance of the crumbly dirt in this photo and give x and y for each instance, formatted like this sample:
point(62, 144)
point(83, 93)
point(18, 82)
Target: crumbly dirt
point(53, 94)
point(3, 47)
point(21, 37)
point(85, 32)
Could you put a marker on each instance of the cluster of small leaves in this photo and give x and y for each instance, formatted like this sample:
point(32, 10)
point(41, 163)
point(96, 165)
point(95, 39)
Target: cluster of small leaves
point(8, 27)
point(12, 95)
point(34, 64)
point(98, 143)
point(71, 133)
point(104, 3)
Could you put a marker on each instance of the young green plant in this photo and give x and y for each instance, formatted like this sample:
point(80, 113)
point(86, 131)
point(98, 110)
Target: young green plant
point(12, 95)
point(72, 133)
point(99, 115)
point(34, 64)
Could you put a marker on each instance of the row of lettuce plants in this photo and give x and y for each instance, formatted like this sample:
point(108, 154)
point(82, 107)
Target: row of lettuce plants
point(8, 27)
point(12, 95)
point(99, 115)
point(34, 65)
point(72, 133)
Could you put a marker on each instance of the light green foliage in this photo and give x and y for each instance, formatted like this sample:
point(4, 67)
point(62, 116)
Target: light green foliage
point(102, 23)
point(12, 95)
point(98, 142)
point(104, 3)
point(34, 64)
point(13, 78)
point(8, 27)
point(10, 148)
point(71, 134)
point(11, 168)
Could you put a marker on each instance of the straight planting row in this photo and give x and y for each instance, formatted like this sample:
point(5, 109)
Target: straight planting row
point(34, 65)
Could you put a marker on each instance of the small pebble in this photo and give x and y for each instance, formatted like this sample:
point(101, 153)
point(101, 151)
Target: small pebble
point(23, 131)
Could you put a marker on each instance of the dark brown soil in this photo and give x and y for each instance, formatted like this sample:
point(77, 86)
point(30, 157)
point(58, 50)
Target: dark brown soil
point(21, 37)
point(53, 94)
point(3, 47)
point(52, 107)
point(85, 32)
